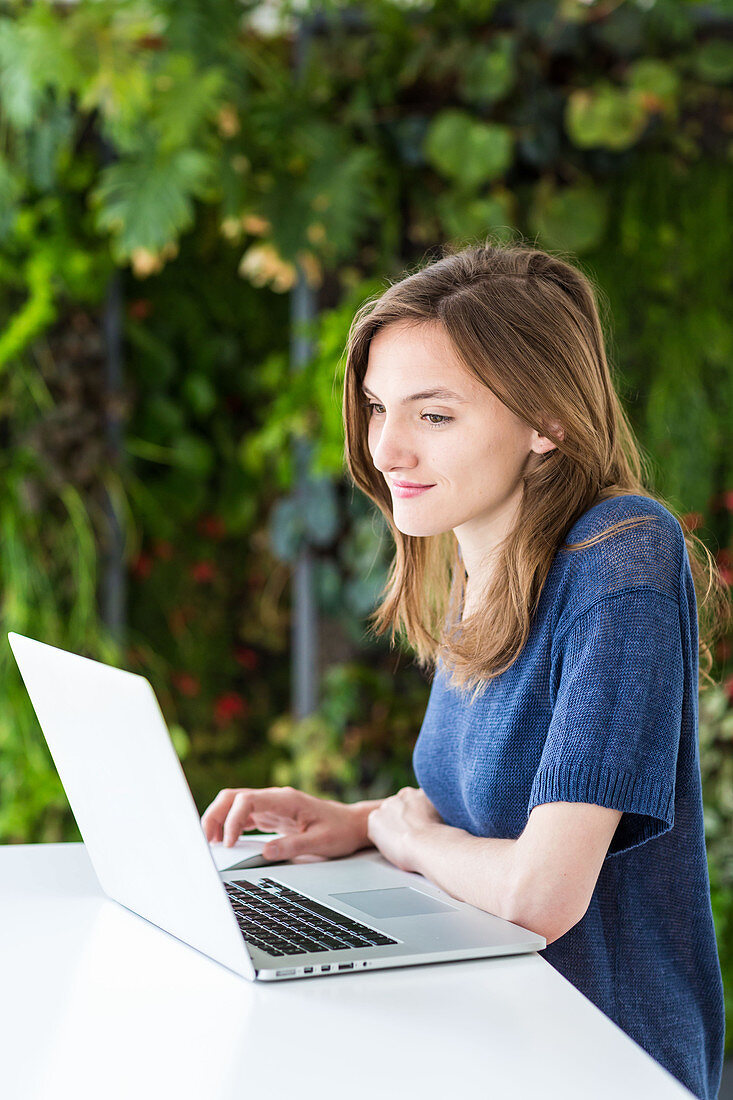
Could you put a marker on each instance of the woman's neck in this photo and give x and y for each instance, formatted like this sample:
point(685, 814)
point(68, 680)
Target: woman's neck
point(473, 592)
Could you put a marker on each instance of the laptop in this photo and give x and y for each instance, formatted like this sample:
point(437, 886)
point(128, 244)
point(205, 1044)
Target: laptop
point(142, 831)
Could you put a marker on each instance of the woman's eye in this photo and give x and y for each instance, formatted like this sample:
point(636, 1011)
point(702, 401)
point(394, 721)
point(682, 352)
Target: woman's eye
point(434, 419)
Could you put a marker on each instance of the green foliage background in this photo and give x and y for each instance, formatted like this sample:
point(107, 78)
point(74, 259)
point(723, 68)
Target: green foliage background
point(178, 149)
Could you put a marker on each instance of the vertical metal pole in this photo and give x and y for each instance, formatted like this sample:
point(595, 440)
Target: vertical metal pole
point(305, 616)
point(113, 568)
point(304, 670)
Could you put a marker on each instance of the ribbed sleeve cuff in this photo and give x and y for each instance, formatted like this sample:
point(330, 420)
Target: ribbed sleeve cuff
point(647, 804)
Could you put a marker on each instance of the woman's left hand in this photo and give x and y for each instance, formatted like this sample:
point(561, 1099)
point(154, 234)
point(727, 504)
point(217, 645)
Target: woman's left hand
point(396, 825)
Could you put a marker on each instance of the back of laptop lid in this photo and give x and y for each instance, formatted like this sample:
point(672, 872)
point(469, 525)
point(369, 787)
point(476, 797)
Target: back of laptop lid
point(130, 798)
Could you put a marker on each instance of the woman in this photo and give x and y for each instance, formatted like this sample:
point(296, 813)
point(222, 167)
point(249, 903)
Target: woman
point(554, 597)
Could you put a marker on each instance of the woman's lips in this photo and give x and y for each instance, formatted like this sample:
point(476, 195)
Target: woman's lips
point(409, 490)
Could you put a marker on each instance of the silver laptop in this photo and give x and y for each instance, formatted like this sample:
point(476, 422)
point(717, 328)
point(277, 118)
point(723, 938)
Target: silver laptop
point(142, 831)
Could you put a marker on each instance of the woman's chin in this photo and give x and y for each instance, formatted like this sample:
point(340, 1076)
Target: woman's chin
point(418, 530)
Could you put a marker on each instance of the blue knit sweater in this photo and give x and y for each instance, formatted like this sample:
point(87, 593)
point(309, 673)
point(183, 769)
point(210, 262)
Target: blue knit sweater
point(601, 706)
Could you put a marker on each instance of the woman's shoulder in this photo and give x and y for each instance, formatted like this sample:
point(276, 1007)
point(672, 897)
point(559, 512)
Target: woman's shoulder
point(625, 506)
point(634, 541)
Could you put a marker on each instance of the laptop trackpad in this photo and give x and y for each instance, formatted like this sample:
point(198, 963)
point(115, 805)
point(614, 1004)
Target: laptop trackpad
point(398, 901)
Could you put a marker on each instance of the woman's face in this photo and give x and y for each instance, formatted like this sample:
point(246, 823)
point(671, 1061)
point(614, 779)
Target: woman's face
point(469, 447)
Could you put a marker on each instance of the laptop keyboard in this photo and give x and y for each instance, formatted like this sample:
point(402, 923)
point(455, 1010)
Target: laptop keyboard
point(282, 921)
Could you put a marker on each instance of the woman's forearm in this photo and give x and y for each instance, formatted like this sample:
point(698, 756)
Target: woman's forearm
point(478, 870)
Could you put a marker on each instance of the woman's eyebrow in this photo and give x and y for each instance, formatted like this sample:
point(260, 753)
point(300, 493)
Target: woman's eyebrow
point(425, 395)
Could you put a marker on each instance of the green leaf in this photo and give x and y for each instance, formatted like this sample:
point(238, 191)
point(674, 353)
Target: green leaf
point(349, 185)
point(145, 202)
point(46, 142)
point(713, 61)
point(362, 593)
point(311, 514)
point(21, 86)
point(621, 30)
point(489, 73)
point(200, 394)
point(34, 56)
point(181, 740)
point(468, 151)
point(184, 100)
point(605, 116)
point(286, 529)
point(475, 217)
point(10, 191)
point(328, 587)
point(122, 95)
point(320, 511)
point(655, 78)
point(162, 418)
point(35, 314)
point(193, 454)
point(323, 200)
point(573, 218)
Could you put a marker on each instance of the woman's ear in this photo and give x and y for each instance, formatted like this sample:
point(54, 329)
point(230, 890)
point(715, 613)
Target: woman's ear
point(541, 443)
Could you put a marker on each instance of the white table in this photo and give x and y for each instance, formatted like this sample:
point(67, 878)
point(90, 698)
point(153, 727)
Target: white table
point(97, 1003)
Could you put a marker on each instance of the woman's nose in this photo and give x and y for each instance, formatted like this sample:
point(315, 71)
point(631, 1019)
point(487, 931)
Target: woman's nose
point(390, 447)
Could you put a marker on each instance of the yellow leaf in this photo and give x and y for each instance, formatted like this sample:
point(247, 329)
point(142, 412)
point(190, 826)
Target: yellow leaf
point(263, 266)
point(227, 121)
point(316, 232)
point(255, 224)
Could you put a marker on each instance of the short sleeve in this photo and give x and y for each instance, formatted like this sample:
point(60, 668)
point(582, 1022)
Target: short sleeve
point(617, 682)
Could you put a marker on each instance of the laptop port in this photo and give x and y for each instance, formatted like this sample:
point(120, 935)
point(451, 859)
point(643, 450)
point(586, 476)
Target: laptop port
point(281, 973)
point(307, 969)
point(346, 966)
point(326, 967)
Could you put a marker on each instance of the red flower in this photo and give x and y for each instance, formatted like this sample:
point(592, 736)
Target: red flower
point(163, 549)
point(728, 686)
point(203, 572)
point(140, 308)
point(187, 684)
point(246, 657)
point(728, 500)
point(212, 526)
point(229, 706)
point(693, 520)
point(141, 566)
point(152, 42)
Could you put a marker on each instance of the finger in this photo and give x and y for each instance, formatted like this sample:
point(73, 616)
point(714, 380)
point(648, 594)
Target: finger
point(310, 842)
point(214, 816)
point(274, 822)
point(249, 802)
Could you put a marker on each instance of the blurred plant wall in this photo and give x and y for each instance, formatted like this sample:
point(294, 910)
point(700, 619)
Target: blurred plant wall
point(180, 148)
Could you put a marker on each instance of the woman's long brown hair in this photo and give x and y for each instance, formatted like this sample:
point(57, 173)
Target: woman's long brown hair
point(525, 323)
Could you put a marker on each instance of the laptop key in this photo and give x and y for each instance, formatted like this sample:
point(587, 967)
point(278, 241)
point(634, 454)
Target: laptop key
point(275, 914)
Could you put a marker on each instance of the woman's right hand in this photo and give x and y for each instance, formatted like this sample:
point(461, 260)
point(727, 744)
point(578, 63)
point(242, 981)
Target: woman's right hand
point(310, 825)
